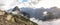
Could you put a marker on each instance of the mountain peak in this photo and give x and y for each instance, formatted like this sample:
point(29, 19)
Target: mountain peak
point(16, 9)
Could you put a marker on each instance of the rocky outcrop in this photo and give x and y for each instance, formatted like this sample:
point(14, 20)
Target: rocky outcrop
point(14, 19)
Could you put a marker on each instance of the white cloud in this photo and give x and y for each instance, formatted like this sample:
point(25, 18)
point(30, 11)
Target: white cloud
point(7, 4)
point(45, 13)
point(48, 3)
point(44, 3)
point(30, 3)
point(52, 22)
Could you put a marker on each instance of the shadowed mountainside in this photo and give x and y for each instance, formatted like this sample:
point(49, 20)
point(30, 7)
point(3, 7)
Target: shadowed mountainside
point(38, 12)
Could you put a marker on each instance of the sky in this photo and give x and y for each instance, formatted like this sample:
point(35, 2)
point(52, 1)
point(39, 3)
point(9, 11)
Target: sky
point(24, 1)
point(8, 4)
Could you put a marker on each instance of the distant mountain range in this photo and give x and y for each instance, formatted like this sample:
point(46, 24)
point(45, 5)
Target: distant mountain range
point(38, 12)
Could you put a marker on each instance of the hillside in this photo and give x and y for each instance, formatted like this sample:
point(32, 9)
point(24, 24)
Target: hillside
point(14, 19)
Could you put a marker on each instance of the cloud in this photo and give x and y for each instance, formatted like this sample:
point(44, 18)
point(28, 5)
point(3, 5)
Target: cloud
point(42, 3)
point(47, 3)
point(7, 4)
point(52, 22)
point(30, 3)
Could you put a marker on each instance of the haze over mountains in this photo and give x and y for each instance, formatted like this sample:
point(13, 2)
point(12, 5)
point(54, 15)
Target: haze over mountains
point(38, 13)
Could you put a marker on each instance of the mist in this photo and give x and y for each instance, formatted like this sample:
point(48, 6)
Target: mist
point(37, 15)
point(52, 22)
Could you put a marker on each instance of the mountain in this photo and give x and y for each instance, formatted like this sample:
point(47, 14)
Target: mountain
point(35, 13)
point(38, 12)
point(14, 19)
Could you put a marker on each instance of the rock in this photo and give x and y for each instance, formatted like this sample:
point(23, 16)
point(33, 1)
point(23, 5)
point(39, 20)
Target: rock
point(2, 13)
point(14, 19)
